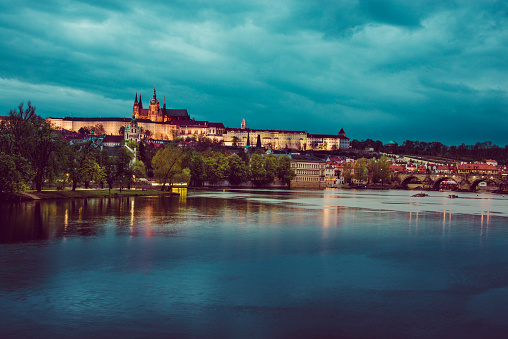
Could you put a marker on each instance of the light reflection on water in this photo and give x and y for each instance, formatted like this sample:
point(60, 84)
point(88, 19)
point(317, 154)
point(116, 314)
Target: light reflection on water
point(264, 264)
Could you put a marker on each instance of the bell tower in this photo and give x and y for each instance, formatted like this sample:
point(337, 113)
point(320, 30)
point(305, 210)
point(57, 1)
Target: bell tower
point(135, 109)
point(153, 108)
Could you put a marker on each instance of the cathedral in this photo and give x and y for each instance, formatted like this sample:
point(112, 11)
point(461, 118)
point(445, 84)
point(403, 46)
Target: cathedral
point(155, 113)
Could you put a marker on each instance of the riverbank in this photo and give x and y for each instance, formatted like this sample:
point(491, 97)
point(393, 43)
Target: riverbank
point(80, 194)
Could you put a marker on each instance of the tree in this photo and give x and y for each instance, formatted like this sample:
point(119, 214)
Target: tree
point(80, 159)
point(197, 169)
point(385, 172)
point(284, 171)
point(110, 168)
point(166, 163)
point(361, 173)
point(84, 130)
point(123, 167)
point(45, 144)
point(98, 129)
point(270, 166)
point(138, 169)
point(238, 171)
point(347, 173)
point(12, 173)
point(121, 130)
point(258, 142)
point(91, 171)
point(257, 170)
point(216, 168)
point(183, 177)
point(234, 141)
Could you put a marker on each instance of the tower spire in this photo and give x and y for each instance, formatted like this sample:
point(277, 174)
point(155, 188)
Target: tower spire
point(164, 106)
point(136, 100)
point(154, 99)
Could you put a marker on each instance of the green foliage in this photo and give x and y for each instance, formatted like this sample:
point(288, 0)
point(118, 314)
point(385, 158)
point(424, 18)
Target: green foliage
point(257, 170)
point(13, 170)
point(270, 166)
point(216, 168)
point(166, 164)
point(27, 136)
point(138, 169)
point(110, 168)
point(123, 169)
point(234, 141)
point(379, 170)
point(348, 173)
point(361, 172)
point(284, 171)
point(183, 177)
point(197, 169)
point(133, 144)
point(238, 170)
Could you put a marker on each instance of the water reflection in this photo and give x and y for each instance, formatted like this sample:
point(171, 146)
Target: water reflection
point(274, 264)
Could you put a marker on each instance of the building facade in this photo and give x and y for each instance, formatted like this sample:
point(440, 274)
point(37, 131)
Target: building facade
point(309, 172)
point(280, 139)
point(166, 124)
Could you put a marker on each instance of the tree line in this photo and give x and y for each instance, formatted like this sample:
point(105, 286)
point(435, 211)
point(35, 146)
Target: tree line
point(174, 163)
point(480, 151)
point(372, 170)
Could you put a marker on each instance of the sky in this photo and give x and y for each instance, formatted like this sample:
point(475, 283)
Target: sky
point(429, 70)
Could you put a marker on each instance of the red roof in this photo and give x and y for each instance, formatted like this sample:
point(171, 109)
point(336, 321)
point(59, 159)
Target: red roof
point(113, 138)
point(477, 167)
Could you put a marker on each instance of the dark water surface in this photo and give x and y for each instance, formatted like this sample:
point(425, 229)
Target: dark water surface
point(264, 264)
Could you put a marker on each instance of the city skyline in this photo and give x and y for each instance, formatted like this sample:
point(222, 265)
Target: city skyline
point(431, 71)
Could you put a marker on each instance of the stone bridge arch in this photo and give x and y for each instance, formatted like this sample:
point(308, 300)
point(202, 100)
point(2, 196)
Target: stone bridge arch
point(439, 180)
point(474, 184)
point(408, 179)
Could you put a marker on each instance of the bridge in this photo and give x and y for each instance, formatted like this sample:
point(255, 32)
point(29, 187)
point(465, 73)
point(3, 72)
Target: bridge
point(465, 182)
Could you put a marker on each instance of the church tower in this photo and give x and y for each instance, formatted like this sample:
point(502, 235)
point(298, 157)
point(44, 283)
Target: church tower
point(135, 109)
point(153, 109)
point(244, 124)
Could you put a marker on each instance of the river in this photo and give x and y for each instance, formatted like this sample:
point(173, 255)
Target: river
point(262, 264)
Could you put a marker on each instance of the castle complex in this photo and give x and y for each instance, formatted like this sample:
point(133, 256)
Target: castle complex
point(156, 114)
point(166, 124)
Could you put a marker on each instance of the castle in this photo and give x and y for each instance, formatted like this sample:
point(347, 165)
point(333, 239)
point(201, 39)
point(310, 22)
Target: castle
point(155, 113)
point(166, 124)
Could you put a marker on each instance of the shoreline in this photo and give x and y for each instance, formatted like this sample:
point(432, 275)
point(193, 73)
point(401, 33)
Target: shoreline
point(115, 193)
point(81, 194)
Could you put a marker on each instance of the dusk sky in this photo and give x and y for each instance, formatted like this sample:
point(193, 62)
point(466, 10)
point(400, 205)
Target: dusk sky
point(432, 70)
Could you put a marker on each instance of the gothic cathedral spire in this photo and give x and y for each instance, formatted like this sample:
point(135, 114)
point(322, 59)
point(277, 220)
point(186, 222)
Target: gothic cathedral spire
point(154, 99)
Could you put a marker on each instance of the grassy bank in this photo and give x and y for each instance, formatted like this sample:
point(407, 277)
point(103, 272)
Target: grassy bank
point(83, 193)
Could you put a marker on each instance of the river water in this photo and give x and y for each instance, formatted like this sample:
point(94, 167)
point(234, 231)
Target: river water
point(262, 264)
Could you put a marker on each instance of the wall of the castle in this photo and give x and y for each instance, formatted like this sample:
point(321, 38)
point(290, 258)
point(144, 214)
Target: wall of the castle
point(273, 139)
point(111, 127)
point(159, 131)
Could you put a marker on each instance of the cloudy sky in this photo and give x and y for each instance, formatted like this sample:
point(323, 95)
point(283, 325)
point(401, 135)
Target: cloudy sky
point(432, 70)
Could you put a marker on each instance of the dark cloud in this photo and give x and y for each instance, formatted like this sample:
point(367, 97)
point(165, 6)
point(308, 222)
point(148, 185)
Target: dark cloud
point(430, 70)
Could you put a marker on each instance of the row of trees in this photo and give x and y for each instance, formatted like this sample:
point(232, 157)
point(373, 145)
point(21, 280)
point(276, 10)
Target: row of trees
point(372, 170)
point(177, 164)
point(477, 152)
